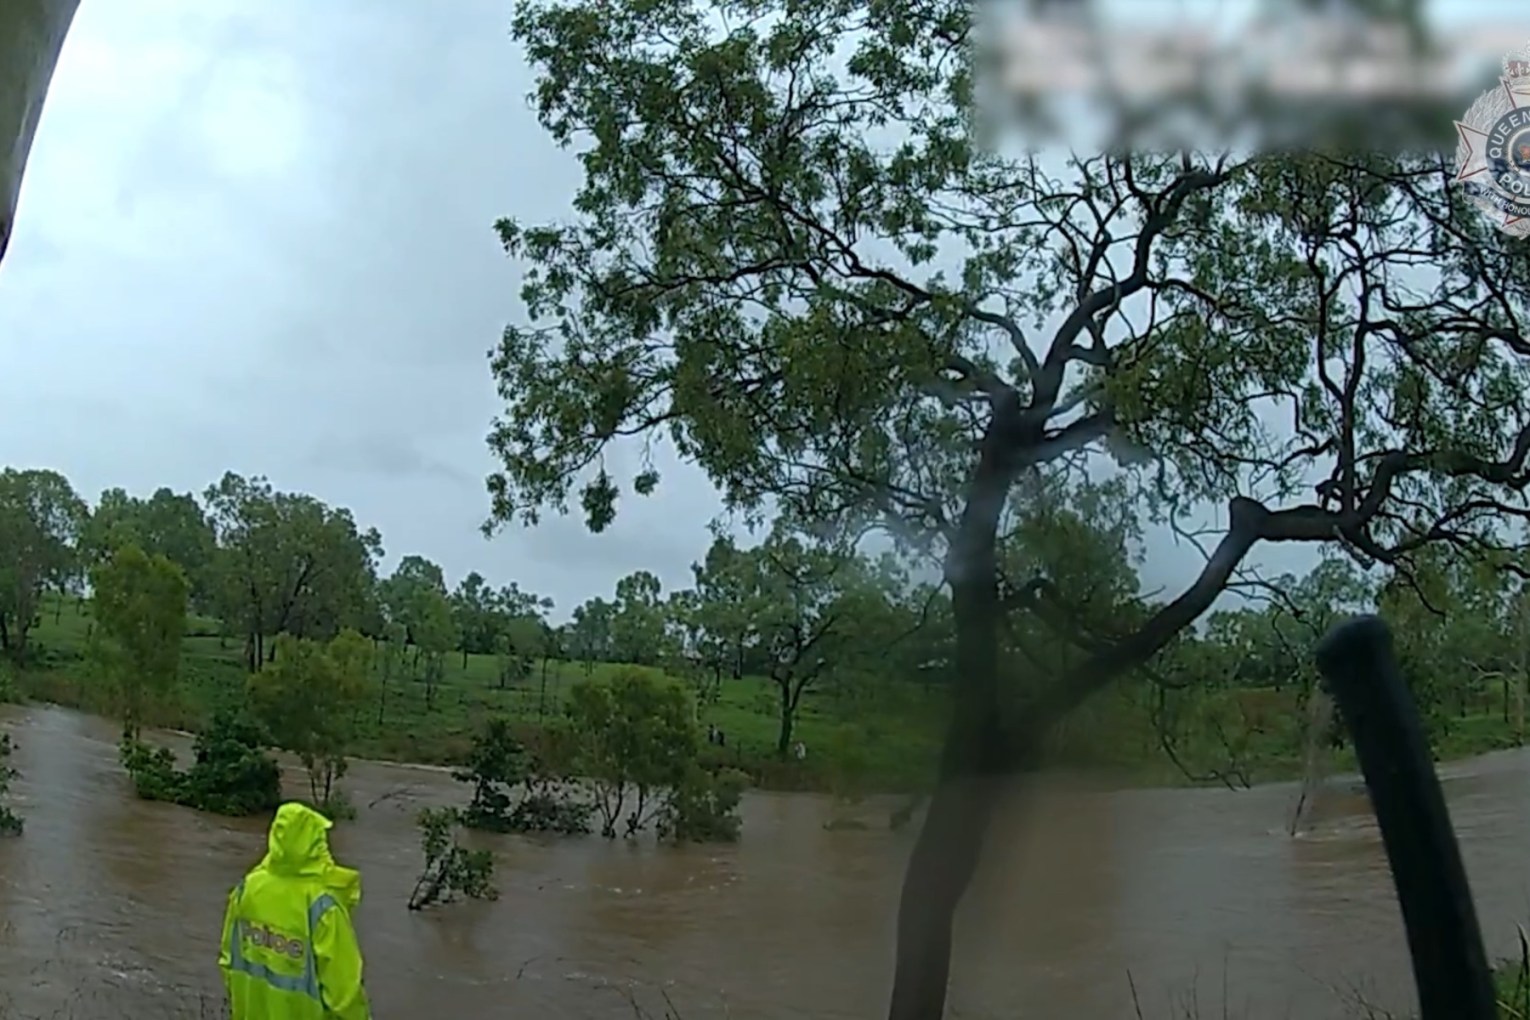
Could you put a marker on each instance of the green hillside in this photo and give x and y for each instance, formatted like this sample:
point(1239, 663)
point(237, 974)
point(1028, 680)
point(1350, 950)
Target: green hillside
point(888, 743)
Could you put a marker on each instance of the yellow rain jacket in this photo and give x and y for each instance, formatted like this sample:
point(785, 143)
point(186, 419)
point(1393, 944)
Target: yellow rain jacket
point(289, 951)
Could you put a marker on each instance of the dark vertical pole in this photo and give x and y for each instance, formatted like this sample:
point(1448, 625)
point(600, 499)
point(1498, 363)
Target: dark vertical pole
point(1449, 964)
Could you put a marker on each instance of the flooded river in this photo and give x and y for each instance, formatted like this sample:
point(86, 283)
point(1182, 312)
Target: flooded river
point(110, 907)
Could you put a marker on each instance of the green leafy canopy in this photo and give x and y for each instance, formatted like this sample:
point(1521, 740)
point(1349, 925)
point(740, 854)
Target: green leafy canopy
point(789, 255)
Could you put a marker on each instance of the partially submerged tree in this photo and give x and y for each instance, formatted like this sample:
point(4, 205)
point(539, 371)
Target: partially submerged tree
point(703, 808)
point(500, 768)
point(308, 698)
point(450, 870)
point(11, 824)
point(791, 256)
point(231, 774)
point(139, 603)
point(496, 764)
point(637, 739)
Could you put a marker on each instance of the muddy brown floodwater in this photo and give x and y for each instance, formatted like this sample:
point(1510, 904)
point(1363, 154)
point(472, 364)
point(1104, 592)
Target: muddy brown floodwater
point(110, 907)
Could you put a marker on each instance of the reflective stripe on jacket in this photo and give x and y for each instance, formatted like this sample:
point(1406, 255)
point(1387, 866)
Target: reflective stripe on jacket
point(288, 950)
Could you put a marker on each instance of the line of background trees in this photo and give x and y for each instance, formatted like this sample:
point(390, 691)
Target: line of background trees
point(284, 572)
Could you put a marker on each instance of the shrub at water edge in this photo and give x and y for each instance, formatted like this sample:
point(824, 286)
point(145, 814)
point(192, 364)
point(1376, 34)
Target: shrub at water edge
point(231, 774)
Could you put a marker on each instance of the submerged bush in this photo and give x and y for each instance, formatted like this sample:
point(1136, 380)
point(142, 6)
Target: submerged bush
point(496, 762)
point(231, 775)
point(11, 823)
point(497, 765)
point(450, 869)
point(636, 744)
point(704, 808)
point(549, 804)
point(337, 807)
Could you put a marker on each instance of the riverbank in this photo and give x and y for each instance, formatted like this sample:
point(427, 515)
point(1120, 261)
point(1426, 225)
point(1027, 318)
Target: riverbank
point(858, 742)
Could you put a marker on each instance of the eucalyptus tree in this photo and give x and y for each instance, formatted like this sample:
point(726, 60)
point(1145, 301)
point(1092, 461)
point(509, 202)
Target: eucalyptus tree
point(639, 626)
point(790, 257)
point(415, 601)
point(41, 518)
point(168, 524)
point(287, 563)
point(139, 602)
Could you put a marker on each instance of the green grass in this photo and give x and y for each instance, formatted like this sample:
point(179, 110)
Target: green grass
point(888, 743)
point(1264, 731)
point(859, 739)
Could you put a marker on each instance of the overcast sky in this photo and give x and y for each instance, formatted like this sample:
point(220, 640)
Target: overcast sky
point(258, 237)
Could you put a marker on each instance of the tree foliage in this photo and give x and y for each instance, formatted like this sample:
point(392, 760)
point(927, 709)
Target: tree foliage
point(308, 699)
point(591, 636)
point(167, 524)
point(139, 603)
point(637, 738)
point(40, 522)
point(450, 869)
point(415, 598)
point(230, 775)
point(703, 808)
point(790, 255)
point(500, 768)
point(799, 608)
point(639, 631)
point(287, 563)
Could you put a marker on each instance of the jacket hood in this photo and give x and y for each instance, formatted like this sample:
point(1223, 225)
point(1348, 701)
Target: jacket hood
point(298, 845)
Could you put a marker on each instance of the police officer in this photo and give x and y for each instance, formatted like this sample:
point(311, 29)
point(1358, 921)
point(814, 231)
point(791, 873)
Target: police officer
point(289, 951)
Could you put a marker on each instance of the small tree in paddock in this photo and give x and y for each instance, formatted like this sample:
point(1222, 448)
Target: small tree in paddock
point(140, 610)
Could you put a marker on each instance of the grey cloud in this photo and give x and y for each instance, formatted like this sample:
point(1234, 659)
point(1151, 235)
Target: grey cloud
point(259, 238)
point(377, 453)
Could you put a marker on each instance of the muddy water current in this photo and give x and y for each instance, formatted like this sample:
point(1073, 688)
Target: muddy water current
point(1181, 899)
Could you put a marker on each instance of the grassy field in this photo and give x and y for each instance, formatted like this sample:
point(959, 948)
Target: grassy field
point(885, 740)
point(886, 745)
point(1260, 730)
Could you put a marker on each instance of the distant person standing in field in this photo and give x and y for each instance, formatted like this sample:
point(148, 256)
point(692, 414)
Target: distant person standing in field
point(289, 951)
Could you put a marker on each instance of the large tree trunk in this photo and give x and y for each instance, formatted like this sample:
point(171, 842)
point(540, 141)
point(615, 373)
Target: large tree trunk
point(978, 753)
point(951, 839)
point(542, 697)
point(788, 718)
point(31, 36)
point(18, 641)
